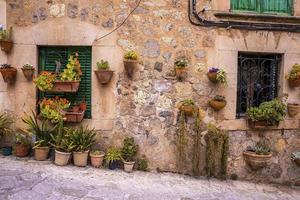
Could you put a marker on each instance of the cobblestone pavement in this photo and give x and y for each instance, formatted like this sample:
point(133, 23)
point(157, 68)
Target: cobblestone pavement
point(22, 180)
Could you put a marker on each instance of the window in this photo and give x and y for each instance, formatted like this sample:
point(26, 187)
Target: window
point(258, 76)
point(263, 6)
point(47, 62)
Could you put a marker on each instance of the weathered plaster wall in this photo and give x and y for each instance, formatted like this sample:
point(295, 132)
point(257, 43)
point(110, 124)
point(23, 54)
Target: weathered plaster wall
point(145, 107)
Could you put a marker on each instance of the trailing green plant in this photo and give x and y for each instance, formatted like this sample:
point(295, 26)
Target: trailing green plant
point(53, 109)
point(61, 140)
point(41, 131)
point(113, 155)
point(181, 63)
point(198, 129)
point(72, 71)
point(45, 81)
point(188, 102)
point(294, 73)
point(142, 164)
point(131, 55)
point(216, 152)
point(103, 65)
point(181, 141)
point(129, 149)
point(272, 112)
point(5, 122)
point(82, 138)
point(5, 34)
point(22, 139)
point(222, 77)
point(219, 98)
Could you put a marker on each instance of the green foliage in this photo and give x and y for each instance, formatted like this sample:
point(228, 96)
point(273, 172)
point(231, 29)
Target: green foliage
point(5, 34)
point(82, 138)
point(295, 155)
point(181, 63)
point(262, 148)
point(142, 164)
point(294, 73)
point(181, 141)
point(272, 111)
point(5, 123)
point(216, 152)
point(22, 139)
point(42, 132)
point(222, 77)
point(197, 146)
point(97, 152)
point(72, 71)
point(131, 55)
point(61, 140)
point(45, 81)
point(27, 66)
point(113, 154)
point(219, 98)
point(103, 65)
point(53, 109)
point(129, 149)
point(188, 102)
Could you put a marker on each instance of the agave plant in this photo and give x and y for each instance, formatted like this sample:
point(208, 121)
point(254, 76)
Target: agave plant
point(61, 140)
point(82, 138)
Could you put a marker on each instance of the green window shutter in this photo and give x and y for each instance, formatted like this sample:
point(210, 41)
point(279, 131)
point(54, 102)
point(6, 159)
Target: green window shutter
point(277, 6)
point(244, 5)
point(47, 58)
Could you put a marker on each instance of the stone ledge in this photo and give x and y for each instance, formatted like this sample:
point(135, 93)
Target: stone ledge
point(241, 125)
point(258, 17)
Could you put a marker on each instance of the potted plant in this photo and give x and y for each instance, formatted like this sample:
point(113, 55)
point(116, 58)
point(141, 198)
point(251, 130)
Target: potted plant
point(42, 134)
point(217, 75)
point(8, 73)
point(5, 123)
point(63, 145)
point(22, 145)
point(103, 73)
point(218, 102)
point(180, 68)
point(67, 81)
point(293, 76)
point(258, 157)
point(82, 139)
point(296, 157)
point(28, 71)
point(267, 114)
point(129, 150)
point(97, 157)
point(188, 106)
point(293, 109)
point(130, 62)
point(142, 164)
point(5, 39)
point(112, 157)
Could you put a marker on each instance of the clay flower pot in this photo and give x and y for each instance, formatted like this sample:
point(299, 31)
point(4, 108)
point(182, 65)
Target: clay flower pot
point(9, 74)
point(80, 158)
point(22, 150)
point(130, 66)
point(6, 151)
point(261, 124)
point(180, 72)
point(61, 158)
point(128, 166)
point(97, 160)
point(65, 86)
point(294, 82)
point(256, 161)
point(293, 109)
point(83, 106)
point(41, 153)
point(104, 76)
point(212, 76)
point(217, 105)
point(76, 109)
point(74, 117)
point(6, 45)
point(297, 161)
point(189, 110)
point(28, 73)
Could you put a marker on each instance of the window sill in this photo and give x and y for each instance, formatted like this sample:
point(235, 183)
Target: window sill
point(241, 125)
point(258, 17)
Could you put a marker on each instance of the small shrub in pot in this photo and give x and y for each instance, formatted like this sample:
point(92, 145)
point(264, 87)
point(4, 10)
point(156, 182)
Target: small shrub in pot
point(28, 71)
point(180, 68)
point(129, 150)
point(130, 62)
point(218, 102)
point(188, 106)
point(112, 157)
point(293, 76)
point(217, 75)
point(9, 73)
point(6, 39)
point(97, 157)
point(258, 157)
point(22, 145)
point(103, 73)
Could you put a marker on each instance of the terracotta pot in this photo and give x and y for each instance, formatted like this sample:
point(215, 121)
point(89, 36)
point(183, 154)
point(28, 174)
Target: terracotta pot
point(180, 72)
point(104, 76)
point(80, 158)
point(28, 73)
point(6, 45)
point(188, 109)
point(217, 105)
point(130, 66)
point(76, 109)
point(212, 76)
point(41, 153)
point(65, 86)
point(22, 150)
point(128, 166)
point(61, 158)
point(9, 75)
point(297, 161)
point(83, 106)
point(97, 160)
point(293, 109)
point(74, 117)
point(256, 161)
point(294, 82)
point(262, 124)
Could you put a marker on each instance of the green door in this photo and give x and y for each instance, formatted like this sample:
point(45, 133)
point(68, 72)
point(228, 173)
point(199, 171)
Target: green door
point(47, 62)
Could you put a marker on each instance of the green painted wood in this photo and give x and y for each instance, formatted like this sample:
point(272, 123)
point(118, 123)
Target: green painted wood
point(47, 58)
point(244, 5)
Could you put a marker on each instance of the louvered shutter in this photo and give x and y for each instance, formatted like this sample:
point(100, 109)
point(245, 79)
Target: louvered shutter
point(244, 5)
point(47, 62)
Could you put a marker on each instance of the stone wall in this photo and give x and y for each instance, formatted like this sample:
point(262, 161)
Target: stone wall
point(145, 107)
